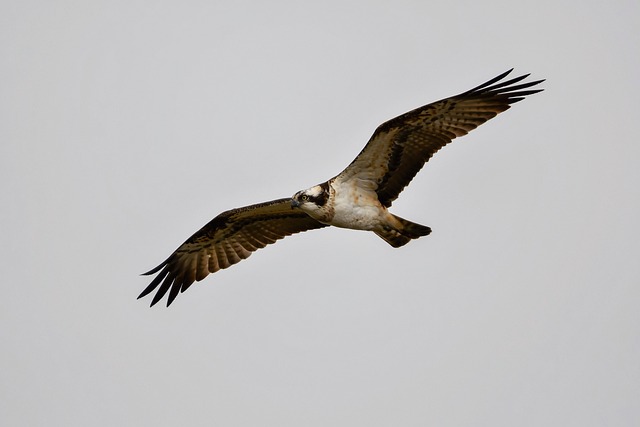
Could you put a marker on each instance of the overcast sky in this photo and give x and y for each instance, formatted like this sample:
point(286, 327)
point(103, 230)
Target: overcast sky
point(127, 125)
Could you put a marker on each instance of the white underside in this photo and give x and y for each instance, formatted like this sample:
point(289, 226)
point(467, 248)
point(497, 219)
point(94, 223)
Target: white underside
point(357, 208)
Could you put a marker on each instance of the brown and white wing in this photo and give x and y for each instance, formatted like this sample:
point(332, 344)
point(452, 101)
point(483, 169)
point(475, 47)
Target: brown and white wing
point(226, 240)
point(400, 147)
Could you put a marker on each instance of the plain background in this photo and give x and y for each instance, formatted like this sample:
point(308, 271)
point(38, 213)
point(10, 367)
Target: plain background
point(127, 125)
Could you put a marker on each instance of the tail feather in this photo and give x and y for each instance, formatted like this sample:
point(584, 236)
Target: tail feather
point(400, 236)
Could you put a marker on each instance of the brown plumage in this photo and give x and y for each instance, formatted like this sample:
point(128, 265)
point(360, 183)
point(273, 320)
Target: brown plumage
point(226, 240)
point(400, 147)
point(357, 198)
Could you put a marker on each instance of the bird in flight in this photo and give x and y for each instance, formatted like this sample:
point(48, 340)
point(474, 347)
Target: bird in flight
point(357, 198)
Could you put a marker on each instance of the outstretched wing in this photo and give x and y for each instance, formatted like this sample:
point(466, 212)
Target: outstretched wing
point(226, 240)
point(401, 146)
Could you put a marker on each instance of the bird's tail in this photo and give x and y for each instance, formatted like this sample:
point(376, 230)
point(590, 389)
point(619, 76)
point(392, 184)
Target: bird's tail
point(401, 235)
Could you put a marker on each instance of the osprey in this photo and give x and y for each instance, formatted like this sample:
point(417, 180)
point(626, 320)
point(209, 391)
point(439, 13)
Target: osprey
point(357, 198)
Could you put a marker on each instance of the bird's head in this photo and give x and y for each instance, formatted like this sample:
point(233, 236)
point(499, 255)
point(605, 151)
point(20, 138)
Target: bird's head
point(311, 200)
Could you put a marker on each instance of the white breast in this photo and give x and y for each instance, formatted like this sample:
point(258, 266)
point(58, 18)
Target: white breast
point(356, 207)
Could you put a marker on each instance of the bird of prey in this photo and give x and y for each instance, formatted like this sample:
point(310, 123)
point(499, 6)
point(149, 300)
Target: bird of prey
point(357, 198)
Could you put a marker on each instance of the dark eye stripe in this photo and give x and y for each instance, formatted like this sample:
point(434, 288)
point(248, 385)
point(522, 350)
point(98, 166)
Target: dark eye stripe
point(322, 198)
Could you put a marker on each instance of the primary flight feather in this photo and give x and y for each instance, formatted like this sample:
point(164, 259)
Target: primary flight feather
point(357, 198)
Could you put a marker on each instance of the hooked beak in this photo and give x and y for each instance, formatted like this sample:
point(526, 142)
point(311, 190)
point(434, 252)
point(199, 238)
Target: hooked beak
point(294, 203)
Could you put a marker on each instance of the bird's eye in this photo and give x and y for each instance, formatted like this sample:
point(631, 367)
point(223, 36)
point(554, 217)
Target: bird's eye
point(304, 198)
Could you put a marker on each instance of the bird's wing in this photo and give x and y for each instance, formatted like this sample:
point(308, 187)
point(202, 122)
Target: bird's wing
point(226, 240)
point(400, 147)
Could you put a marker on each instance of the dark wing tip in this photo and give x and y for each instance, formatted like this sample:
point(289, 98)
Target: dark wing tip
point(509, 90)
point(168, 283)
point(155, 270)
point(163, 277)
point(492, 81)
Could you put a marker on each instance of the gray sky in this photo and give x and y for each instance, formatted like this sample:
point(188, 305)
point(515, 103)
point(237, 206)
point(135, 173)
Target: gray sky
point(126, 126)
